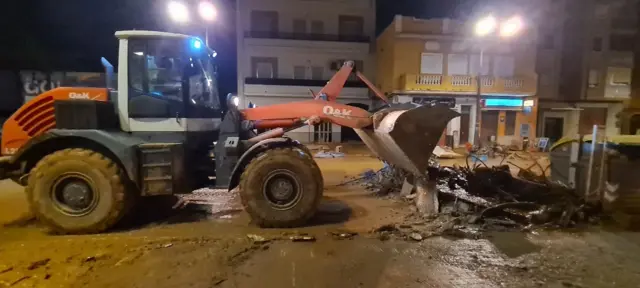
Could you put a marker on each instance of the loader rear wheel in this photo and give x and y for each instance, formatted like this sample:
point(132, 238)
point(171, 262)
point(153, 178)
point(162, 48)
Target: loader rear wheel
point(281, 188)
point(78, 191)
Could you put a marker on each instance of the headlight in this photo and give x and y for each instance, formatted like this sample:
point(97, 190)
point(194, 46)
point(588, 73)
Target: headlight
point(236, 101)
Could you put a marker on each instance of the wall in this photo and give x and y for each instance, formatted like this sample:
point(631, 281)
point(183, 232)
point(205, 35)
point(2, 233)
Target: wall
point(385, 64)
point(319, 10)
point(407, 48)
point(292, 53)
point(282, 93)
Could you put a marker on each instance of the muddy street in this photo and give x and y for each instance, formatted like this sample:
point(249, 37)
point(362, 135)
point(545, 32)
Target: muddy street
point(207, 241)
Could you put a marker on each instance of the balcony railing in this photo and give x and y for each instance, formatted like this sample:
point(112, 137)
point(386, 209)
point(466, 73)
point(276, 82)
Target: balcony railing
point(467, 84)
point(307, 36)
point(298, 82)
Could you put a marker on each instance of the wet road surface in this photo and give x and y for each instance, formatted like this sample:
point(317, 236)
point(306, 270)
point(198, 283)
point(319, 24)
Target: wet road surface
point(202, 242)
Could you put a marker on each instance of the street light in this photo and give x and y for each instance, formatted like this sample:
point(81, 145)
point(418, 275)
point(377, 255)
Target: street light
point(208, 13)
point(487, 26)
point(511, 27)
point(178, 12)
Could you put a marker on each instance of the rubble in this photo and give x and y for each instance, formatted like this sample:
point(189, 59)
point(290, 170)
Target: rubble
point(257, 239)
point(329, 154)
point(482, 198)
point(446, 153)
point(302, 238)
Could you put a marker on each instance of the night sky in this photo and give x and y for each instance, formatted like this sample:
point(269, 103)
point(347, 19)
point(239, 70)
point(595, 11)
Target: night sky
point(72, 35)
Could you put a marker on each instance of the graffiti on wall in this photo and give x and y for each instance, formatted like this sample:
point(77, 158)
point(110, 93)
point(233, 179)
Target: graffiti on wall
point(35, 83)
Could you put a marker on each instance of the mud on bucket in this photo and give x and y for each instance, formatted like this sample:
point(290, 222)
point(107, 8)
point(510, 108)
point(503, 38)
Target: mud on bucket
point(406, 138)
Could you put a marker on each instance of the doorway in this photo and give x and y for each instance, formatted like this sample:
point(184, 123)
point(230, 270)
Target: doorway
point(465, 120)
point(489, 126)
point(553, 128)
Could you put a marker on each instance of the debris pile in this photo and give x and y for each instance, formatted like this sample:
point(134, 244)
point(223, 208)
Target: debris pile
point(486, 197)
point(494, 196)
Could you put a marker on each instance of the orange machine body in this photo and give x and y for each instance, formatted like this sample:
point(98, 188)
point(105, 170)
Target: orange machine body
point(38, 115)
point(287, 114)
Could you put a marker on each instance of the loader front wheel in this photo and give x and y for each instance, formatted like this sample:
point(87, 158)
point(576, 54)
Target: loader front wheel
point(78, 191)
point(281, 188)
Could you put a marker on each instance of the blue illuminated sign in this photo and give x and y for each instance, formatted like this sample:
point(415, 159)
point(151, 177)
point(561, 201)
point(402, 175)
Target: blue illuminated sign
point(498, 102)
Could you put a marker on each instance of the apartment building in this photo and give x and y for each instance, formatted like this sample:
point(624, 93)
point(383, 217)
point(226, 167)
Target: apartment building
point(585, 60)
point(437, 61)
point(288, 48)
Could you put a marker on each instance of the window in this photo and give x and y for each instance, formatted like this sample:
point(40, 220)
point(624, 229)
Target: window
point(299, 72)
point(264, 21)
point(317, 73)
point(594, 78)
point(597, 44)
point(264, 67)
point(350, 25)
point(504, 66)
point(474, 64)
point(431, 63)
point(510, 123)
point(156, 68)
point(299, 26)
point(317, 27)
point(619, 76)
point(621, 42)
point(161, 73)
point(546, 42)
point(458, 64)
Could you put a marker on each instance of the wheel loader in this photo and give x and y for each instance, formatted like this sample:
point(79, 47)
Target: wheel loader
point(86, 155)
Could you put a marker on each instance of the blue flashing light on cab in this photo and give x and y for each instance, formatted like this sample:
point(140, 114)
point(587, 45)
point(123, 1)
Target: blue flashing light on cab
point(196, 44)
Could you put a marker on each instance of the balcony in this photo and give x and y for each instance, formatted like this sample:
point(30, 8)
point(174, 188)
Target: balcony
point(299, 82)
point(307, 36)
point(467, 84)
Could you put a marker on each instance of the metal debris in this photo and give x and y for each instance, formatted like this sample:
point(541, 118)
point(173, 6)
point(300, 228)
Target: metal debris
point(343, 235)
point(257, 239)
point(484, 198)
point(302, 238)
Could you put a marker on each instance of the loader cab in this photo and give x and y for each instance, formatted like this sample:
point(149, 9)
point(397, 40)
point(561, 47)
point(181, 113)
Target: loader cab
point(166, 83)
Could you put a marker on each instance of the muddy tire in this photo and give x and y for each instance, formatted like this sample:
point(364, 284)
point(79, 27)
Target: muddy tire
point(281, 188)
point(78, 191)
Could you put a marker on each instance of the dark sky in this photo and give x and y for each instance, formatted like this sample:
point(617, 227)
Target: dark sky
point(72, 35)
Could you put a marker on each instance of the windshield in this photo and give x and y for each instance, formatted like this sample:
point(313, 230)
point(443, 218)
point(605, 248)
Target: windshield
point(175, 69)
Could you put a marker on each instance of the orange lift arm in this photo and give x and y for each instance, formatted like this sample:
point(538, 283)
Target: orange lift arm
point(292, 114)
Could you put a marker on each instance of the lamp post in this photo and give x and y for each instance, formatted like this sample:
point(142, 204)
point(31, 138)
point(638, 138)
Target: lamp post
point(208, 13)
point(179, 12)
point(486, 27)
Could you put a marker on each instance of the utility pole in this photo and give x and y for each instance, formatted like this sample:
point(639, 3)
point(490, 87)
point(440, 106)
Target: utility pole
point(479, 99)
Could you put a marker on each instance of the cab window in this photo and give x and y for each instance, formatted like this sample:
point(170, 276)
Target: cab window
point(155, 78)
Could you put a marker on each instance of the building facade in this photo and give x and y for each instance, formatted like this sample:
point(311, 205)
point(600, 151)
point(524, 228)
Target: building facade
point(585, 58)
point(438, 61)
point(287, 48)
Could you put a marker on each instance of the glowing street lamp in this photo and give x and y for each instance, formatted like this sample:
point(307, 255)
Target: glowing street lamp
point(486, 26)
point(207, 11)
point(178, 12)
point(511, 27)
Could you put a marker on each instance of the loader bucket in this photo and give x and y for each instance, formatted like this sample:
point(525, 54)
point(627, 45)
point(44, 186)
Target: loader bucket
point(406, 137)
